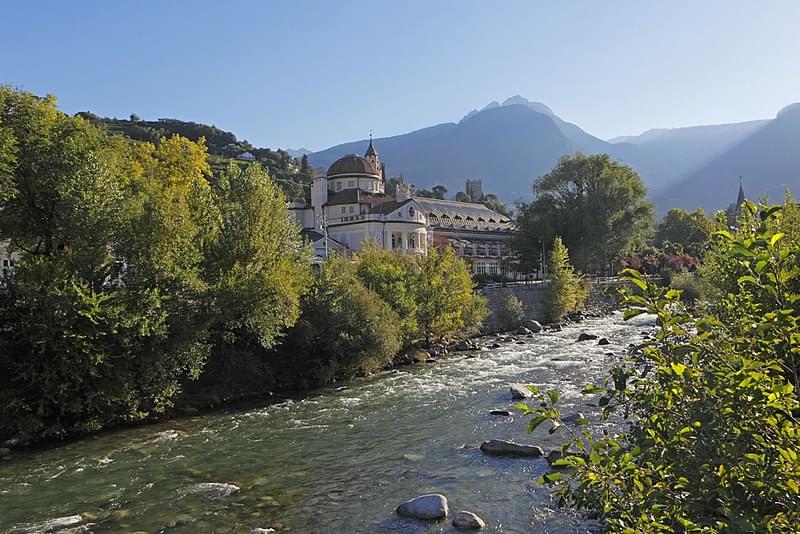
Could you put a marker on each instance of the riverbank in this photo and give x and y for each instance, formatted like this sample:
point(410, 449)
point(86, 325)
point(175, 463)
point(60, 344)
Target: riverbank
point(231, 387)
point(339, 459)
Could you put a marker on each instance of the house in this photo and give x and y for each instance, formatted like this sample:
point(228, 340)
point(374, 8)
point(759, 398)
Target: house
point(246, 156)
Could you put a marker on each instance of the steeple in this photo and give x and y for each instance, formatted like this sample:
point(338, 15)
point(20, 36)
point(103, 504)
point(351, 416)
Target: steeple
point(371, 149)
point(741, 197)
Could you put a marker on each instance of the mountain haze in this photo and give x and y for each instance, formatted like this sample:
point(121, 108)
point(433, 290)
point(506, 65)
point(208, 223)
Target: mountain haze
point(511, 143)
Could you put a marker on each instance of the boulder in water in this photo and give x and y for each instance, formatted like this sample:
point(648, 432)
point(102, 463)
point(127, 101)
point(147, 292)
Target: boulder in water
point(18, 441)
point(50, 525)
point(499, 447)
point(573, 418)
point(4, 451)
point(522, 331)
point(431, 506)
point(495, 345)
point(504, 413)
point(519, 392)
point(468, 521)
point(586, 337)
point(533, 326)
point(603, 341)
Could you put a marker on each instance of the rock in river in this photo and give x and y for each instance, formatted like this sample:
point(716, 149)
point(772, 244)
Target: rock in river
point(504, 413)
point(586, 337)
point(431, 506)
point(519, 392)
point(468, 521)
point(499, 447)
point(533, 326)
point(603, 341)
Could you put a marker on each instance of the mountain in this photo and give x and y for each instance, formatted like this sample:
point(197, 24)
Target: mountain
point(298, 152)
point(673, 153)
point(507, 145)
point(768, 160)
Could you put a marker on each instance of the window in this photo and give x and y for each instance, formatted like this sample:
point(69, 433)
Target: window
point(351, 183)
point(412, 240)
point(369, 186)
point(352, 209)
point(338, 186)
point(344, 209)
point(411, 211)
point(395, 241)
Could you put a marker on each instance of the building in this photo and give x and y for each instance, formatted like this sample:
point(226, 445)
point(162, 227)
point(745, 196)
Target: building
point(350, 204)
point(246, 156)
point(734, 210)
point(8, 259)
point(474, 190)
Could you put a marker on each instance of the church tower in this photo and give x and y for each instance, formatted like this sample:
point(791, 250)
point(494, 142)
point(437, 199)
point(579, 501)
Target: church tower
point(372, 154)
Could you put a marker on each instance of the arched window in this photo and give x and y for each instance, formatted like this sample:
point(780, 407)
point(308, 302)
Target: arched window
point(411, 212)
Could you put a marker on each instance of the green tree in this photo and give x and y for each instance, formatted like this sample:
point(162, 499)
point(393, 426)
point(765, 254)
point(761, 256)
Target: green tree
point(98, 321)
point(511, 313)
point(258, 267)
point(494, 203)
point(439, 191)
point(391, 276)
point(462, 197)
point(685, 232)
point(446, 302)
point(596, 205)
point(566, 292)
point(344, 330)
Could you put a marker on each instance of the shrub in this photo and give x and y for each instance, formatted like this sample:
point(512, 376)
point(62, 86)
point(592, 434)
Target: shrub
point(511, 312)
point(714, 441)
point(688, 284)
point(344, 330)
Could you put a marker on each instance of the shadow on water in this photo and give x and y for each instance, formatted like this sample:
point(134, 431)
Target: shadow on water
point(337, 461)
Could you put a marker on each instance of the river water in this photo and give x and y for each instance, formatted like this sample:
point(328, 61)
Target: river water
point(338, 461)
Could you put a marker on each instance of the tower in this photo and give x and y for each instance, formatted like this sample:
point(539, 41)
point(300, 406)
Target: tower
point(372, 155)
point(319, 197)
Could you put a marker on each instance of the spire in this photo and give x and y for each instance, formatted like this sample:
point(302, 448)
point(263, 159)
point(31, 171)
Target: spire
point(370, 149)
point(741, 196)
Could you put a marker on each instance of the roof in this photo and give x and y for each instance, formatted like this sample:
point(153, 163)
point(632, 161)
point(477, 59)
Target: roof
point(371, 149)
point(388, 207)
point(346, 196)
point(313, 236)
point(352, 164)
point(462, 210)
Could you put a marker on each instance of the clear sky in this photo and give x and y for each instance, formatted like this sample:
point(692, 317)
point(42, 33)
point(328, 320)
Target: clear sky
point(316, 73)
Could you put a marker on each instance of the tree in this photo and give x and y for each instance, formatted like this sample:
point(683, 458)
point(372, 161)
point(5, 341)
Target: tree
point(258, 267)
point(566, 292)
point(685, 232)
point(511, 313)
point(134, 117)
point(99, 321)
point(463, 197)
point(390, 275)
point(492, 202)
point(596, 205)
point(446, 303)
point(344, 330)
point(439, 191)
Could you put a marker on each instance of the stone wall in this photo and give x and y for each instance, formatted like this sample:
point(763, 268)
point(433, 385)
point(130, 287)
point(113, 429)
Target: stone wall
point(601, 299)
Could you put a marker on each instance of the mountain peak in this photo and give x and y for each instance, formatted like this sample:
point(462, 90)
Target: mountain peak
point(515, 100)
point(791, 108)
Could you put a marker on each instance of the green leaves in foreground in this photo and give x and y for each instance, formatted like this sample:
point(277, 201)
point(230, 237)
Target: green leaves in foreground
point(707, 410)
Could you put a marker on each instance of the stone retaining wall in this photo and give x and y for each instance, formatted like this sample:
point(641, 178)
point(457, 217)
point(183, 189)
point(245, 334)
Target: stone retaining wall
point(601, 299)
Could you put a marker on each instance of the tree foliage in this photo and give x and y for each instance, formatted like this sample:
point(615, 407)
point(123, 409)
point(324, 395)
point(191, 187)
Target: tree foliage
point(596, 205)
point(681, 231)
point(344, 330)
point(511, 312)
point(714, 444)
point(132, 267)
point(446, 302)
point(566, 292)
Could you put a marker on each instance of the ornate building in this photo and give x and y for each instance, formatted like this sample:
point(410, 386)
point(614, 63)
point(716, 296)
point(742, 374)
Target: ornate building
point(349, 206)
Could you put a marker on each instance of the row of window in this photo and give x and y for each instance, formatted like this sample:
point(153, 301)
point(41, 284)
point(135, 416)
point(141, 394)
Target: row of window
point(351, 184)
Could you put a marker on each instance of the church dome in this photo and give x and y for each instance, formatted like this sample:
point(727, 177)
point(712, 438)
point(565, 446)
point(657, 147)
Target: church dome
point(352, 165)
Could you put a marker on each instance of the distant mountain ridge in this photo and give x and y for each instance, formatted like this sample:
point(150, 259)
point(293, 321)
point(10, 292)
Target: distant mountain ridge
point(511, 143)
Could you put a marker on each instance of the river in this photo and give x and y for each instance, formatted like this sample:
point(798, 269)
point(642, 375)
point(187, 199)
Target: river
point(338, 461)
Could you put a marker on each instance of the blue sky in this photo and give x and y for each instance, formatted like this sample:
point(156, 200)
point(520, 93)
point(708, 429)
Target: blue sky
point(316, 73)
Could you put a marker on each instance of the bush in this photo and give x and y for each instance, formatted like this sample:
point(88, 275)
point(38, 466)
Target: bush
point(714, 441)
point(344, 330)
point(511, 312)
point(688, 284)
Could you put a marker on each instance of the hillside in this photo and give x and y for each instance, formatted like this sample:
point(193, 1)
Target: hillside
point(223, 147)
point(768, 160)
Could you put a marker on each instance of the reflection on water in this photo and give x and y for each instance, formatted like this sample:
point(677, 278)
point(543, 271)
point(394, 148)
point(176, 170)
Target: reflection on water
point(338, 461)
